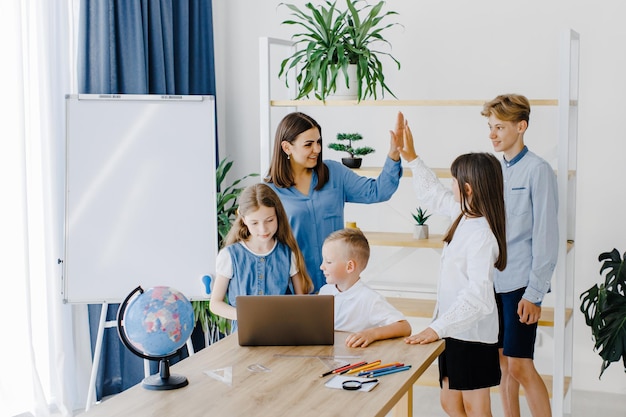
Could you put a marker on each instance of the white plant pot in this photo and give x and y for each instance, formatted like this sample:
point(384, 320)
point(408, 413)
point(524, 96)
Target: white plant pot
point(420, 231)
point(343, 92)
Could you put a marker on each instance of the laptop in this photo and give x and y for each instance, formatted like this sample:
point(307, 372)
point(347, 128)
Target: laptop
point(285, 320)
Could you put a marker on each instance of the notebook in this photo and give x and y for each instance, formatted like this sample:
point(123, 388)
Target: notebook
point(285, 320)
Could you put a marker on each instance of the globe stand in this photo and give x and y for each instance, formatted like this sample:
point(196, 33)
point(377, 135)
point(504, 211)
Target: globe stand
point(164, 380)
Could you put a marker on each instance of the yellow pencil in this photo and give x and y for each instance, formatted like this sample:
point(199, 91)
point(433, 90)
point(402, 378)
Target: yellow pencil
point(373, 368)
point(364, 367)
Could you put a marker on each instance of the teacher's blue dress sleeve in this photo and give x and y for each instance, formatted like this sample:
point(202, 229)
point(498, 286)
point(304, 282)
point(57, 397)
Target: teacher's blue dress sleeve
point(358, 189)
point(314, 216)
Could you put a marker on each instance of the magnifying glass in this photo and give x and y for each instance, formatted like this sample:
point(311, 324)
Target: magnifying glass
point(354, 385)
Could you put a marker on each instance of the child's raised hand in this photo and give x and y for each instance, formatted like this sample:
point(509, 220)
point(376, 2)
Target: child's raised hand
point(426, 336)
point(407, 149)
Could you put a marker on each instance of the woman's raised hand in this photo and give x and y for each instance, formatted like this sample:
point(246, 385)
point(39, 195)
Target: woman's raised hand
point(397, 137)
point(407, 147)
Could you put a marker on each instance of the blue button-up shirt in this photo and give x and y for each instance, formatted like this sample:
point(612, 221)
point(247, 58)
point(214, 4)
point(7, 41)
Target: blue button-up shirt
point(316, 215)
point(531, 199)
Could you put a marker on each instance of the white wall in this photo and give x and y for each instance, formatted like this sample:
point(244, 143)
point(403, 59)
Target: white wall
point(459, 49)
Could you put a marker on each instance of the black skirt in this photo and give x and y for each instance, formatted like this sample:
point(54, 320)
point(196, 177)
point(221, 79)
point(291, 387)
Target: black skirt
point(469, 365)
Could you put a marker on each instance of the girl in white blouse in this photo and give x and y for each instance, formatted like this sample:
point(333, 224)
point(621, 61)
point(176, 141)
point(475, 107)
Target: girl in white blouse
point(466, 315)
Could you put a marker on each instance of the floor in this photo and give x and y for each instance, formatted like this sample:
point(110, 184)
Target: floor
point(584, 404)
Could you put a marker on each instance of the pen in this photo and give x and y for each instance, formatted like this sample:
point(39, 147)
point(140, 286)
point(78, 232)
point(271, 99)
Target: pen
point(342, 368)
point(389, 371)
point(364, 367)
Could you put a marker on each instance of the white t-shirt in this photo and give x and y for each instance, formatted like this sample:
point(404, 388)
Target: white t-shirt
point(360, 308)
point(224, 263)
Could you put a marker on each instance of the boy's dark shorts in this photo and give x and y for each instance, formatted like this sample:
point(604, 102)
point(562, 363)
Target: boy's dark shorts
point(515, 338)
point(469, 365)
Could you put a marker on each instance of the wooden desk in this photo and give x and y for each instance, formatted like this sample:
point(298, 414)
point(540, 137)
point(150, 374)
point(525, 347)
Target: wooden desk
point(292, 386)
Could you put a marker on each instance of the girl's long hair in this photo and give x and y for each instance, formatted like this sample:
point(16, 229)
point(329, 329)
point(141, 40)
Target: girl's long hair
point(288, 130)
point(482, 171)
point(251, 199)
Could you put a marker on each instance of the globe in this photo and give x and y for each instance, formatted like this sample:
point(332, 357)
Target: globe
point(154, 324)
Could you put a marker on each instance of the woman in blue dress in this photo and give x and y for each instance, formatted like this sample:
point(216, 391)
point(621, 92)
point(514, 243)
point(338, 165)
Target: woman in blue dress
point(314, 191)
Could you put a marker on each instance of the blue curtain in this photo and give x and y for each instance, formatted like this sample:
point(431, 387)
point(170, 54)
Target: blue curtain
point(146, 47)
point(141, 47)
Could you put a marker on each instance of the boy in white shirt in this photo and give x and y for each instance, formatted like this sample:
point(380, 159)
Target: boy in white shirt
point(358, 308)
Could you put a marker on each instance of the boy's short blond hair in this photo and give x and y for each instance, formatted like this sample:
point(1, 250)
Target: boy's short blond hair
point(508, 107)
point(356, 245)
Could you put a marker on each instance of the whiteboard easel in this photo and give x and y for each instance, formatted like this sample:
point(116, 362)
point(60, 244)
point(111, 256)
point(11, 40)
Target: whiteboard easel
point(140, 199)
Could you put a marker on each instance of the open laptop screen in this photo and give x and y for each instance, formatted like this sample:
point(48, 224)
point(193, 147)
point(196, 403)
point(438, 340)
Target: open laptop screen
point(285, 320)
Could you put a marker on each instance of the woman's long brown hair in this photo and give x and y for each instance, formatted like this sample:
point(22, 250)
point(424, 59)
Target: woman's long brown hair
point(288, 130)
point(483, 173)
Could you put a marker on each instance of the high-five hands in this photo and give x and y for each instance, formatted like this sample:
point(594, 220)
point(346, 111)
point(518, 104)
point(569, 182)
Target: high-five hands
point(403, 138)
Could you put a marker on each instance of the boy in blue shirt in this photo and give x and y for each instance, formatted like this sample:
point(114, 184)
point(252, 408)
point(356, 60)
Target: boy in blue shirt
point(531, 199)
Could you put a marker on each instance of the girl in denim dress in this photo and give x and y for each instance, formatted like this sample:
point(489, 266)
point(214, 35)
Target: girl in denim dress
point(260, 255)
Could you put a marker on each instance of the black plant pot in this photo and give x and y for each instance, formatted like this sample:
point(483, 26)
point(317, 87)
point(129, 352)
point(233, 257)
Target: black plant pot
point(352, 162)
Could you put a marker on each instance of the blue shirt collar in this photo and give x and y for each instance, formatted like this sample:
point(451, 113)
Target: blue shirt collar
point(519, 156)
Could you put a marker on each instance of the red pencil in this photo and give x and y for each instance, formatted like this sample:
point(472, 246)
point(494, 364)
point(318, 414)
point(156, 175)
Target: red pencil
point(342, 368)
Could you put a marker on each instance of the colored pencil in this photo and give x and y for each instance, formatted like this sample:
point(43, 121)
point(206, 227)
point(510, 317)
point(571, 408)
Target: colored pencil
point(343, 368)
point(380, 368)
point(364, 367)
point(389, 371)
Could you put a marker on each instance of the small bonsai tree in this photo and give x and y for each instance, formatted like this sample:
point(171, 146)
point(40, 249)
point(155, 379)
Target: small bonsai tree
point(420, 216)
point(350, 137)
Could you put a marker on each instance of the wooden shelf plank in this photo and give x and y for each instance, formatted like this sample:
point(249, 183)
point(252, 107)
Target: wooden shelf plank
point(430, 378)
point(407, 240)
point(375, 171)
point(403, 240)
point(407, 173)
point(417, 307)
point(398, 103)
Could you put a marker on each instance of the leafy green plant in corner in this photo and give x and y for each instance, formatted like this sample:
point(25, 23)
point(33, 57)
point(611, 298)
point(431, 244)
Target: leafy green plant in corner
point(226, 201)
point(604, 307)
point(420, 216)
point(350, 137)
point(330, 40)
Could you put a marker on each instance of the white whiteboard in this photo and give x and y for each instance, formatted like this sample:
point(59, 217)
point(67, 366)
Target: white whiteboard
point(140, 195)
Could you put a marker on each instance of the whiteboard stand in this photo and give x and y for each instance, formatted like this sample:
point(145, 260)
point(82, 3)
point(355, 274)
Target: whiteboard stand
point(102, 324)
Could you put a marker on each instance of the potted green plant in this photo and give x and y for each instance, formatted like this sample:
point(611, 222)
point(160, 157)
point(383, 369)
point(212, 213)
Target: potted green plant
point(226, 200)
point(354, 161)
point(604, 307)
point(331, 41)
point(420, 228)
